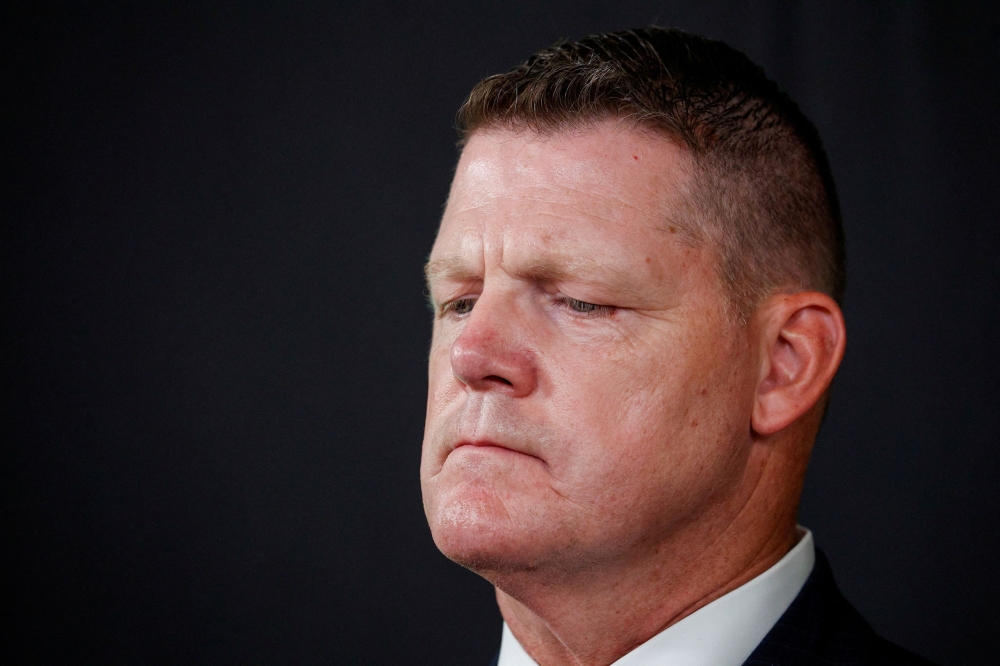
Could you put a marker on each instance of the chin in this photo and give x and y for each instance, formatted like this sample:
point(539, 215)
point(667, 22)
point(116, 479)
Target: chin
point(474, 528)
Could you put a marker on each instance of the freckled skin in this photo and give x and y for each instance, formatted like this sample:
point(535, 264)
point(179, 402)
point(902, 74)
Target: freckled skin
point(583, 353)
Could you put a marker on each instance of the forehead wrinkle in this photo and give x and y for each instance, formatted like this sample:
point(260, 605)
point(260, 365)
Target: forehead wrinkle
point(543, 195)
point(606, 197)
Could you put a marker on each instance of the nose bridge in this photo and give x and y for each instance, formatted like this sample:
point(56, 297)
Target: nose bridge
point(492, 352)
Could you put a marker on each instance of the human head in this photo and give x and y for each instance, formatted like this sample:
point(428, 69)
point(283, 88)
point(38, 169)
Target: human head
point(593, 400)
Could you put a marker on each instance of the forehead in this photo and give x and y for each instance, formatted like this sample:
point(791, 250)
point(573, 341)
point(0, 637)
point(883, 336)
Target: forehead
point(605, 184)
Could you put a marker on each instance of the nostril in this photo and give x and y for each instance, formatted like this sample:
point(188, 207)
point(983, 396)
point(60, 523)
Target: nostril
point(497, 378)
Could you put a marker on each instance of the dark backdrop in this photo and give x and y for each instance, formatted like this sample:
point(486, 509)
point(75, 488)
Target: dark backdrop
point(214, 218)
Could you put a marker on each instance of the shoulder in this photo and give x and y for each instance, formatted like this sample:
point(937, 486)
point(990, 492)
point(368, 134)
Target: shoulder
point(885, 653)
point(821, 628)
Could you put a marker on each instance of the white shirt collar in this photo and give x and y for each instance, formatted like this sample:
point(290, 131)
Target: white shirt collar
point(722, 633)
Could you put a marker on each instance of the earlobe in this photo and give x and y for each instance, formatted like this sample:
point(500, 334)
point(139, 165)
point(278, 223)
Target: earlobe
point(802, 339)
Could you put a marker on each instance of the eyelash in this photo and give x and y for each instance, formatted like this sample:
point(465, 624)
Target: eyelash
point(581, 307)
point(452, 306)
point(585, 308)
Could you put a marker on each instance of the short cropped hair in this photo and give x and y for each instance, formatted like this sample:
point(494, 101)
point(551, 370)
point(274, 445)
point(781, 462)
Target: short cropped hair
point(762, 195)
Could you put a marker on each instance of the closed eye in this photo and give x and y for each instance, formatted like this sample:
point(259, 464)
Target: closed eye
point(590, 309)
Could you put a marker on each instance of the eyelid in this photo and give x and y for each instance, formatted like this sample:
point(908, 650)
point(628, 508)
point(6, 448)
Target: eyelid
point(449, 305)
point(598, 310)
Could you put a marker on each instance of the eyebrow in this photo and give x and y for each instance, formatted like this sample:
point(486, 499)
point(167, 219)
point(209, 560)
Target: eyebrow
point(456, 268)
point(451, 267)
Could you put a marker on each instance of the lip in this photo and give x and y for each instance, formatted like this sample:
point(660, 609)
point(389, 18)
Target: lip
point(489, 444)
point(483, 444)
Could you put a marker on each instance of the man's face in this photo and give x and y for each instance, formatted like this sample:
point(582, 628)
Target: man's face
point(589, 394)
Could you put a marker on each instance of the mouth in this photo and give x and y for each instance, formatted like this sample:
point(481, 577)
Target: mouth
point(483, 444)
point(488, 446)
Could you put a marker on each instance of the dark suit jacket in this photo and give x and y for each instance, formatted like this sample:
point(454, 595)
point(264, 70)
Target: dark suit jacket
point(821, 628)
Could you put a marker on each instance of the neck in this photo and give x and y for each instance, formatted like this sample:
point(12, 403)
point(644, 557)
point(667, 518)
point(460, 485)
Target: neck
point(598, 615)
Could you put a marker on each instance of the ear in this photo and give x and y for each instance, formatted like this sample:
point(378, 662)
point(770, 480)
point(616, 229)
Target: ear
point(802, 338)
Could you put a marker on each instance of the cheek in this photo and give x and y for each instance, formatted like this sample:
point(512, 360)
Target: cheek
point(442, 392)
point(441, 384)
point(628, 389)
point(617, 416)
point(644, 417)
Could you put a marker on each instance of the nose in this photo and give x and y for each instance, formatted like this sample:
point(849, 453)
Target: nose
point(493, 352)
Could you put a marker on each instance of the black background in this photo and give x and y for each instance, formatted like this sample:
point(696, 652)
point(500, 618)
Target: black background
point(214, 334)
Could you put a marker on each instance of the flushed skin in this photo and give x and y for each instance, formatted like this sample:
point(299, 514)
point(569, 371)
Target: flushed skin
point(605, 442)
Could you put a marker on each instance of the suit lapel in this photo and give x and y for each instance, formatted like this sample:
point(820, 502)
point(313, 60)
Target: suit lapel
point(820, 627)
